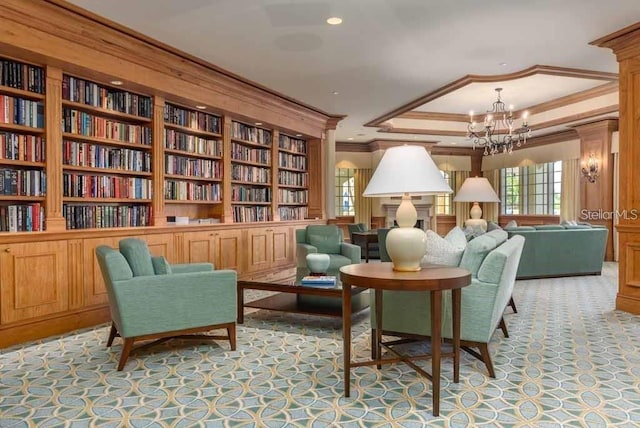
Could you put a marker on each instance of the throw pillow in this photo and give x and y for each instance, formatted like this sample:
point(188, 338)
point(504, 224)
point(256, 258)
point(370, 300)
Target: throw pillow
point(512, 223)
point(161, 266)
point(137, 255)
point(456, 237)
point(472, 232)
point(492, 226)
point(441, 251)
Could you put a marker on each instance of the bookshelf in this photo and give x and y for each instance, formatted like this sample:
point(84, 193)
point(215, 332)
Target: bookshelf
point(23, 182)
point(293, 178)
point(193, 149)
point(251, 172)
point(106, 156)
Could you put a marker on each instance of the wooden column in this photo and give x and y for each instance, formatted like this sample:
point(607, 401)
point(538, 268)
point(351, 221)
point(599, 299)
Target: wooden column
point(275, 140)
point(596, 199)
point(157, 162)
point(54, 221)
point(227, 210)
point(626, 45)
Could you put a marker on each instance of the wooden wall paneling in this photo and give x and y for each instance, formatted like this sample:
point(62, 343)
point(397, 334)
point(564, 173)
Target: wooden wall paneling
point(160, 244)
point(258, 249)
point(230, 250)
point(95, 291)
point(199, 247)
point(157, 161)
point(315, 159)
point(378, 222)
point(528, 219)
point(31, 293)
point(281, 246)
point(75, 267)
point(54, 220)
point(445, 224)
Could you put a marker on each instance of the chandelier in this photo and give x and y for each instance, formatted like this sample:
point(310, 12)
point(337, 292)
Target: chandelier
point(498, 132)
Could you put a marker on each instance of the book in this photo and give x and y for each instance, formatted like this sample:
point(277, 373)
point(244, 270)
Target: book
point(319, 281)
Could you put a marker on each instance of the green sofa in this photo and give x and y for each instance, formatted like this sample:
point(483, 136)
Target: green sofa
point(558, 250)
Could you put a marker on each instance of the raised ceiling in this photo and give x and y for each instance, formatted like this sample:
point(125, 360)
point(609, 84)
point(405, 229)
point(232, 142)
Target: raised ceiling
point(388, 53)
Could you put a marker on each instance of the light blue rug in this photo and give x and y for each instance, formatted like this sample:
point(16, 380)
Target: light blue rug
point(571, 361)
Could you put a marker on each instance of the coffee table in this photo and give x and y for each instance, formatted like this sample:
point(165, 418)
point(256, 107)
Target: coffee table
point(296, 298)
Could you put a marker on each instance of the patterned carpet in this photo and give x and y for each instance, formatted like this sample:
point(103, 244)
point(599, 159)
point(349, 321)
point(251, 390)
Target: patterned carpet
point(571, 361)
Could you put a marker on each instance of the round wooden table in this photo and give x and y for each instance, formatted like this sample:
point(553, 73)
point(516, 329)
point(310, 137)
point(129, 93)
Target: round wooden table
point(381, 276)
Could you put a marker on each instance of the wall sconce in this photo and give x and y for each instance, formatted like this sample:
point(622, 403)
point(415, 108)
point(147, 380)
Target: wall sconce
point(590, 169)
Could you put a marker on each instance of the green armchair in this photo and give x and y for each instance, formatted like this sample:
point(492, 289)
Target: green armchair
point(327, 239)
point(493, 262)
point(151, 299)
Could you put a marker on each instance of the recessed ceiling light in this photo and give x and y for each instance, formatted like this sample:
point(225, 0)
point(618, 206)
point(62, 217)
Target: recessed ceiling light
point(258, 123)
point(502, 64)
point(350, 138)
point(335, 93)
point(298, 135)
point(116, 82)
point(334, 20)
point(453, 143)
point(360, 135)
point(201, 107)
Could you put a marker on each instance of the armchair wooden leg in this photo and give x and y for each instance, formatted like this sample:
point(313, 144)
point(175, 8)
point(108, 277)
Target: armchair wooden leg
point(126, 349)
point(486, 358)
point(231, 331)
point(503, 327)
point(512, 303)
point(112, 334)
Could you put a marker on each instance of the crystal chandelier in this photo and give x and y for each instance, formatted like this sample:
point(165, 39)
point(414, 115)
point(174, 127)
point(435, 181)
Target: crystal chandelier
point(498, 132)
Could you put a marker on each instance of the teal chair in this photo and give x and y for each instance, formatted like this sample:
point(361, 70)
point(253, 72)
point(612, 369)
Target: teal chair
point(151, 299)
point(493, 262)
point(327, 239)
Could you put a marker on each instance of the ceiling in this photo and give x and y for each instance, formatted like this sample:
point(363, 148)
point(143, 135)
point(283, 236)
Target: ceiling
point(393, 53)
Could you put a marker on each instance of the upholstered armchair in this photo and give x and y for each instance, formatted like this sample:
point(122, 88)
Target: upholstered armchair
point(151, 299)
point(493, 262)
point(327, 239)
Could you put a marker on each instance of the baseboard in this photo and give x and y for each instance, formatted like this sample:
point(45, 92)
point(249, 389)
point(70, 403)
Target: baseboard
point(628, 304)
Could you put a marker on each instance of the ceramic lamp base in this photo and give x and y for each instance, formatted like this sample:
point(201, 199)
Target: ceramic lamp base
point(406, 247)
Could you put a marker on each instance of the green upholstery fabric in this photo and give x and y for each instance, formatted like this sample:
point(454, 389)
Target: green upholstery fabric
point(382, 245)
point(562, 252)
point(161, 266)
point(326, 239)
point(499, 235)
point(137, 254)
point(475, 252)
point(548, 227)
point(153, 304)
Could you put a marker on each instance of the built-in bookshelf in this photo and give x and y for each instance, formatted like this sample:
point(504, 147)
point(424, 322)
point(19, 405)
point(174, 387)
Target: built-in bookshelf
point(193, 163)
point(251, 169)
point(23, 183)
point(106, 156)
point(293, 178)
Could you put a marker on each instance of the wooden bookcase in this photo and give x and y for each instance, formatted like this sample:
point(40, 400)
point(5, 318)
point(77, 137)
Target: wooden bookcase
point(22, 146)
point(167, 157)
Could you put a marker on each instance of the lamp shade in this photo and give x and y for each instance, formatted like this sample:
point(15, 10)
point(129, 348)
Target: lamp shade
point(406, 169)
point(476, 189)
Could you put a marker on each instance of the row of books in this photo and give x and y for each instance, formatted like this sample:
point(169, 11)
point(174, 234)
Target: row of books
point(286, 160)
point(191, 191)
point(293, 213)
point(292, 144)
point(251, 154)
point(319, 281)
point(289, 178)
point(22, 147)
point(22, 182)
point(21, 218)
point(251, 174)
point(22, 76)
point(92, 94)
point(96, 156)
point(250, 194)
point(100, 216)
point(79, 122)
point(250, 133)
point(19, 111)
point(105, 186)
point(175, 140)
point(287, 196)
point(193, 167)
point(196, 120)
point(245, 214)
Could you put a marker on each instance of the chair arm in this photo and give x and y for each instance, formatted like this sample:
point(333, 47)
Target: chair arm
point(192, 267)
point(162, 303)
point(353, 252)
point(301, 254)
point(479, 315)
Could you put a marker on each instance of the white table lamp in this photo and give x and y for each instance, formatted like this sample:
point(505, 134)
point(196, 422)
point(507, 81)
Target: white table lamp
point(406, 171)
point(476, 189)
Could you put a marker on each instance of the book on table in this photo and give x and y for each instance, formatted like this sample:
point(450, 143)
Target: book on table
point(319, 281)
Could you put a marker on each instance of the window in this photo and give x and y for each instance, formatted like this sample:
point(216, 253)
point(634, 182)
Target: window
point(345, 189)
point(531, 189)
point(444, 202)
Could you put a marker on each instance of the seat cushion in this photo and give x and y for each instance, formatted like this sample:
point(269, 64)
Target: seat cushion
point(137, 254)
point(325, 239)
point(444, 251)
point(336, 261)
